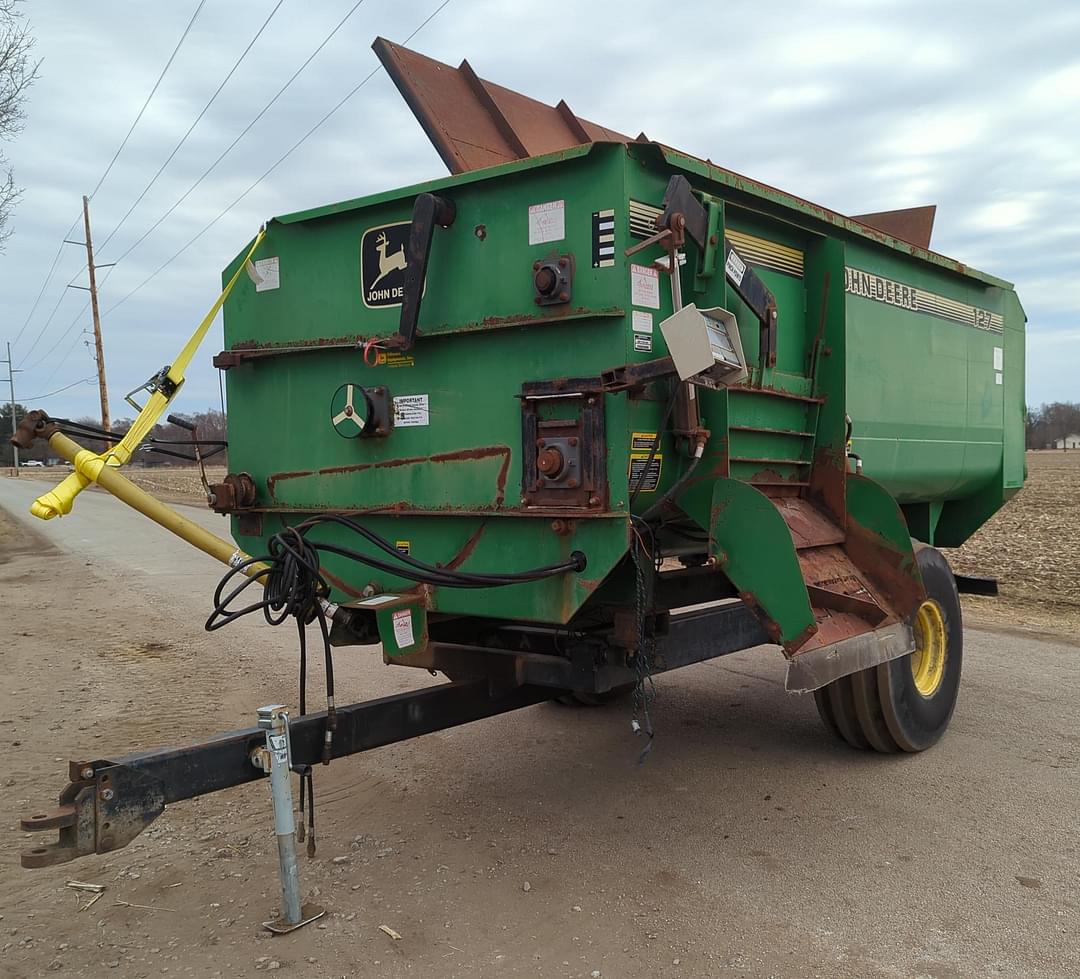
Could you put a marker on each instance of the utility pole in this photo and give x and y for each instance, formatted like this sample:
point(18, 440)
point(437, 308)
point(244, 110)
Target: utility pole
point(11, 383)
point(98, 350)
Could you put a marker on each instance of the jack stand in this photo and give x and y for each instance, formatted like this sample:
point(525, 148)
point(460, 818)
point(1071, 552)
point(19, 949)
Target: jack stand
point(276, 760)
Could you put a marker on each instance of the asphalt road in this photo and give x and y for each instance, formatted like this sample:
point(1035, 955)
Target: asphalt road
point(749, 845)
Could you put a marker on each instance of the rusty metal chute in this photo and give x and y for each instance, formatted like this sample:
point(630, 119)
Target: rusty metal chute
point(911, 224)
point(473, 123)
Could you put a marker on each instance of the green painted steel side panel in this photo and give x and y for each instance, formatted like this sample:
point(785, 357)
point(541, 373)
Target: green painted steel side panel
point(931, 421)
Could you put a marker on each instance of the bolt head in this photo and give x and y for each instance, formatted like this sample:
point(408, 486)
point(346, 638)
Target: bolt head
point(88, 772)
point(107, 794)
point(564, 297)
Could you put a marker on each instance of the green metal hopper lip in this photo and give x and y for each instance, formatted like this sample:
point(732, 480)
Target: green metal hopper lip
point(691, 164)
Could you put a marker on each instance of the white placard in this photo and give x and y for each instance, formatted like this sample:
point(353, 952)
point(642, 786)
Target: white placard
point(999, 359)
point(378, 600)
point(267, 274)
point(643, 343)
point(403, 634)
point(410, 410)
point(735, 267)
point(641, 322)
point(547, 222)
point(644, 286)
point(997, 378)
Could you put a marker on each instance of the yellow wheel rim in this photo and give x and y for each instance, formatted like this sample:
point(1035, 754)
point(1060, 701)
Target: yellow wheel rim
point(928, 660)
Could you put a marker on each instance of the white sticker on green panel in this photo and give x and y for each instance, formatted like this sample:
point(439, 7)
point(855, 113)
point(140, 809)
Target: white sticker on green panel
point(265, 273)
point(411, 410)
point(547, 222)
point(641, 322)
point(644, 286)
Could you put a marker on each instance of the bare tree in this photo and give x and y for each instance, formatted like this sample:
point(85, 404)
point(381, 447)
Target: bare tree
point(17, 74)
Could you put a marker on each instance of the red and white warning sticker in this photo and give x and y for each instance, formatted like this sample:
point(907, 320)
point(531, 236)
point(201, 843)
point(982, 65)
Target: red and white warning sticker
point(403, 629)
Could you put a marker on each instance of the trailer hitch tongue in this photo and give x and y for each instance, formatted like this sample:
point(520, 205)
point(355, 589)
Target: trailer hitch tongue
point(103, 808)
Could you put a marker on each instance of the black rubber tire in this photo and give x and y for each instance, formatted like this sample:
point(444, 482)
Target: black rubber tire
point(868, 711)
point(881, 708)
point(842, 701)
point(825, 712)
point(580, 698)
point(916, 722)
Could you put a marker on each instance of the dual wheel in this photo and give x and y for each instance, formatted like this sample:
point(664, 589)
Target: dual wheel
point(905, 704)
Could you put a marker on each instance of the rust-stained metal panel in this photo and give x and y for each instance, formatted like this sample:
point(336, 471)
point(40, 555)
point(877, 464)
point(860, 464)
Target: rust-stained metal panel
point(474, 123)
point(911, 224)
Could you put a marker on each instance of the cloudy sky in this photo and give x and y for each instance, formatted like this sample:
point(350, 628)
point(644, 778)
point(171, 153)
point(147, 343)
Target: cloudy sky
point(856, 104)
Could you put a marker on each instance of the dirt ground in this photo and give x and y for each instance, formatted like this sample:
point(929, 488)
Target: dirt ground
point(751, 846)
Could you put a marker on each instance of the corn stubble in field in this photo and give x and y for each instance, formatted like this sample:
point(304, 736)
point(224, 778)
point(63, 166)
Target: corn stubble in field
point(1032, 545)
point(181, 482)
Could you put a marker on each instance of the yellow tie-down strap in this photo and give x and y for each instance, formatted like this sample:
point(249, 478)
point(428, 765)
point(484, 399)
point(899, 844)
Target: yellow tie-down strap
point(88, 465)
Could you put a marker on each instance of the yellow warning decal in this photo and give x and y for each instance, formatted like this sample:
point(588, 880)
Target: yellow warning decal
point(642, 441)
point(404, 546)
point(389, 358)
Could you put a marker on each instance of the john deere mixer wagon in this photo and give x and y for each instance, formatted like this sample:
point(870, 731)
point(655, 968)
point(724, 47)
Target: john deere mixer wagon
point(584, 411)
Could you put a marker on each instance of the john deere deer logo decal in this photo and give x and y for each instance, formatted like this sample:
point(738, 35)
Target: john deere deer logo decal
point(383, 263)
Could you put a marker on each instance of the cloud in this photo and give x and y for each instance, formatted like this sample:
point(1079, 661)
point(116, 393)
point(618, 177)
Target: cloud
point(860, 106)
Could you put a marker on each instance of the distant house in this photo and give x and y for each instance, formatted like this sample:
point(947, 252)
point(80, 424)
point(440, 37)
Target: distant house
point(1069, 442)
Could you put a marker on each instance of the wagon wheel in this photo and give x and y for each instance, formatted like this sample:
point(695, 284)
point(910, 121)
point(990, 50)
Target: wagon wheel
point(905, 704)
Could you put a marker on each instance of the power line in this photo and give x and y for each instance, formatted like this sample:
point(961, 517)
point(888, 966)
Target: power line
point(63, 360)
point(63, 336)
point(45, 325)
point(191, 128)
point(172, 56)
point(97, 187)
point(45, 284)
point(228, 149)
point(40, 397)
point(278, 163)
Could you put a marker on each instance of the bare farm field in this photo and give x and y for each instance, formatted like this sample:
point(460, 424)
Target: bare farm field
point(174, 484)
point(1032, 546)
